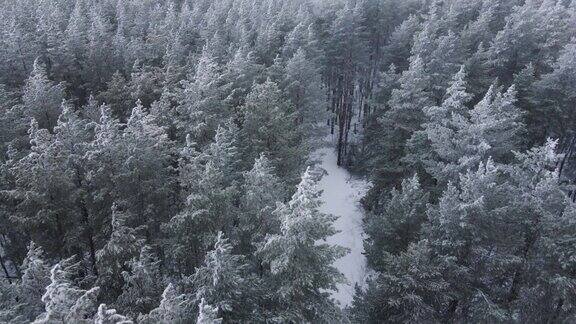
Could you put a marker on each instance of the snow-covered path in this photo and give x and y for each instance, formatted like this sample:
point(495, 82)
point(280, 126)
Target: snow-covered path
point(341, 195)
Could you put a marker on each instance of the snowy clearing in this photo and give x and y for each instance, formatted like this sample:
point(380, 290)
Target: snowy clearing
point(341, 195)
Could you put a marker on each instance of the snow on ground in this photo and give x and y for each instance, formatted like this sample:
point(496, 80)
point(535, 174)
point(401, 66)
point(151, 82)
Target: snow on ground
point(341, 197)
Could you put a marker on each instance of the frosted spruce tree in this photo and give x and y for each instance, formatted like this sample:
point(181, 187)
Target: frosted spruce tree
point(224, 282)
point(106, 315)
point(209, 182)
point(396, 223)
point(64, 301)
point(207, 314)
point(405, 116)
point(123, 245)
point(42, 97)
point(300, 264)
point(261, 191)
point(281, 139)
point(457, 138)
point(27, 294)
point(173, 308)
point(201, 103)
point(143, 284)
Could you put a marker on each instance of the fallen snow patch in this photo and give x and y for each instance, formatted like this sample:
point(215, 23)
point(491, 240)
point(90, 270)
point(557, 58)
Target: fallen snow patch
point(341, 197)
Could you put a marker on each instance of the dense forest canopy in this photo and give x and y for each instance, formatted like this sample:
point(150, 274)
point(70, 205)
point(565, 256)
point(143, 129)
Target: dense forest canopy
point(156, 159)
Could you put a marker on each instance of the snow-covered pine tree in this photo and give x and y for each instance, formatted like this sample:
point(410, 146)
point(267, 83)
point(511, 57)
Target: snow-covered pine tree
point(145, 180)
point(115, 96)
point(404, 117)
point(105, 315)
point(534, 32)
point(261, 191)
point(43, 186)
point(201, 104)
point(123, 245)
point(306, 93)
point(300, 263)
point(456, 138)
point(207, 314)
point(410, 288)
point(42, 97)
point(143, 284)
point(553, 96)
point(395, 224)
point(281, 139)
point(427, 148)
point(240, 74)
point(173, 308)
point(64, 301)
point(35, 278)
point(223, 281)
point(209, 183)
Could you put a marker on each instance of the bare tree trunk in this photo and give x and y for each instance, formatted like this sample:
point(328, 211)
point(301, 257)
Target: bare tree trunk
point(90, 237)
point(531, 238)
point(5, 268)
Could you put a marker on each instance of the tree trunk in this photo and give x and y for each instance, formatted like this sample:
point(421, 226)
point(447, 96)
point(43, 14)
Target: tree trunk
point(5, 269)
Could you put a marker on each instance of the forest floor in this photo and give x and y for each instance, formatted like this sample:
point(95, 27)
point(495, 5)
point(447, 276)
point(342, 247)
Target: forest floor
point(341, 197)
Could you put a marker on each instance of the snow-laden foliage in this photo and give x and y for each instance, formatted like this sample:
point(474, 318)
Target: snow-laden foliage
point(161, 156)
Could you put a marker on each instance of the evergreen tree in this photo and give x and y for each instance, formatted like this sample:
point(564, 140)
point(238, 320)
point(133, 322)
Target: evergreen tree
point(8, 301)
point(207, 314)
point(143, 284)
point(280, 140)
point(553, 96)
point(411, 288)
point(84, 307)
point(262, 189)
point(375, 128)
point(145, 180)
point(457, 139)
point(146, 84)
point(392, 227)
point(123, 245)
point(109, 316)
point(517, 44)
point(63, 300)
point(404, 117)
point(222, 281)
point(35, 278)
point(239, 74)
point(100, 59)
point(14, 123)
point(42, 97)
point(306, 93)
point(444, 63)
point(300, 264)
point(42, 190)
point(429, 143)
point(75, 46)
point(172, 308)
point(524, 82)
point(164, 112)
point(406, 103)
point(398, 48)
point(116, 96)
point(201, 104)
point(209, 183)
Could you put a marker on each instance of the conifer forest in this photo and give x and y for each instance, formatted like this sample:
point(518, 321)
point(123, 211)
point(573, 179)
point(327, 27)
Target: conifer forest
point(287, 161)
